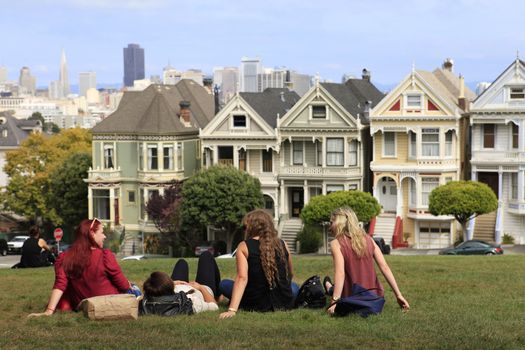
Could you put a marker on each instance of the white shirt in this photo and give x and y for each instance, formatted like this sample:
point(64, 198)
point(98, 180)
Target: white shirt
point(199, 305)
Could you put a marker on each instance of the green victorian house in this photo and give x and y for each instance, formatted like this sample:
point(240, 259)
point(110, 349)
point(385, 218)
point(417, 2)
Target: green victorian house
point(150, 140)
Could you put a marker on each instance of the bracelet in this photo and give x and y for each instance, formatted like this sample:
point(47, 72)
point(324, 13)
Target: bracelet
point(335, 299)
point(232, 309)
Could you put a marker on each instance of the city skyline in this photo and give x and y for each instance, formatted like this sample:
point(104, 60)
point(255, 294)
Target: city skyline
point(332, 39)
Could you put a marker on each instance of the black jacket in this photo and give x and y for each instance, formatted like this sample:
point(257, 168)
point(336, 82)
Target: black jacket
point(166, 305)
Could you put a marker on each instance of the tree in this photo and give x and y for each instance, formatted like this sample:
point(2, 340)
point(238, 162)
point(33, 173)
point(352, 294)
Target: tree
point(462, 199)
point(29, 168)
point(37, 116)
point(67, 191)
point(319, 208)
point(220, 196)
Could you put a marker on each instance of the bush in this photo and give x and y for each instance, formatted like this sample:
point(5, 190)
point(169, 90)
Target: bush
point(507, 239)
point(310, 238)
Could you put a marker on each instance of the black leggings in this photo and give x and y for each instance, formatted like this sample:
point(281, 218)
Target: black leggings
point(208, 272)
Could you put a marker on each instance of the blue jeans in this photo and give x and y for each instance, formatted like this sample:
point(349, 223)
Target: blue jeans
point(226, 288)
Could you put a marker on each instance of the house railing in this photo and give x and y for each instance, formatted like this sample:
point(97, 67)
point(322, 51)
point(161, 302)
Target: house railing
point(104, 173)
point(498, 156)
point(319, 171)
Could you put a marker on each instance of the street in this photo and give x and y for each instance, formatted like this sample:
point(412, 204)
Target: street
point(9, 260)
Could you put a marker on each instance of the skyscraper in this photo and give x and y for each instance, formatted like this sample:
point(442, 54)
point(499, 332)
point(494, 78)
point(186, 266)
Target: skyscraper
point(27, 82)
point(86, 81)
point(3, 74)
point(63, 78)
point(250, 67)
point(133, 64)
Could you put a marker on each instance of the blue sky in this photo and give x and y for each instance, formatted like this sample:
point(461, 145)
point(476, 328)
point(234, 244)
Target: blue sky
point(329, 37)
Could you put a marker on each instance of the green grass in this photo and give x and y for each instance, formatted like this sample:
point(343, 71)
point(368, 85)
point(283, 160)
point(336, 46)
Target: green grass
point(456, 303)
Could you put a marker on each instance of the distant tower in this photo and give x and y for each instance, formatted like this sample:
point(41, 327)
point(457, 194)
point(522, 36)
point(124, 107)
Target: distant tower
point(86, 81)
point(26, 81)
point(63, 78)
point(133, 64)
point(250, 67)
point(3, 74)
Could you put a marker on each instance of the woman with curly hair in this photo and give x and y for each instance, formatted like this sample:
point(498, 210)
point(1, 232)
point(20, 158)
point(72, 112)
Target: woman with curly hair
point(354, 253)
point(264, 269)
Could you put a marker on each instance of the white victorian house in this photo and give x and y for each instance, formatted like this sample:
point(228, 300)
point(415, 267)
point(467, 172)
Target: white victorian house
point(497, 120)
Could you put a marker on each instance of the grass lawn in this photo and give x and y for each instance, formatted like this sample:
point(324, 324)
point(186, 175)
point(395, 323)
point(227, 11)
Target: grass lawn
point(456, 303)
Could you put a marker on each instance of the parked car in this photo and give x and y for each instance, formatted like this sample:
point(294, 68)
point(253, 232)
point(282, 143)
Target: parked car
point(3, 247)
point(228, 256)
point(473, 247)
point(15, 245)
point(215, 248)
point(385, 248)
point(52, 244)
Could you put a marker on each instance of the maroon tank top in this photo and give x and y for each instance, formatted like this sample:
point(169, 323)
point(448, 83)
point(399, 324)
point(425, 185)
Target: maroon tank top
point(359, 270)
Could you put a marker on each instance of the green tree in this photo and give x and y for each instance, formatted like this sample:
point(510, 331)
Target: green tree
point(220, 196)
point(462, 199)
point(67, 192)
point(29, 168)
point(37, 116)
point(319, 208)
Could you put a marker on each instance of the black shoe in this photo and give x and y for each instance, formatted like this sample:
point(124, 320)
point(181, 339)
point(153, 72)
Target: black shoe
point(326, 279)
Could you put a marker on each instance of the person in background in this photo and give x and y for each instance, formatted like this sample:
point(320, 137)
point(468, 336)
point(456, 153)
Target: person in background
point(35, 251)
point(86, 270)
point(264, 269)
point(354, 253)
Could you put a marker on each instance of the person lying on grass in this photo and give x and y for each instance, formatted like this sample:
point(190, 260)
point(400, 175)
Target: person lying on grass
point(86, 270)
point(353, 253)
point(167, 296)
point(264, 269)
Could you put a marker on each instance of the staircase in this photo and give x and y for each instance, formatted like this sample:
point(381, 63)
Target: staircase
point(131, 245)
point(485, 227)
point(385, 224)
point(291, 228)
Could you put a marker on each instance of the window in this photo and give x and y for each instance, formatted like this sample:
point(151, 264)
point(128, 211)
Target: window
point(142, 204)
point(101, 204)
point(108, 156)
point(389, 144)
point(413, 194)
point(267, 161)
point(335, 152)
point(413, 101)
point(448, 143)
point(352, 153)
point(242, 159)
point(268, 203)
point(319, 147)
point(131, 196)
point(297, 152)
point(239, 121)
point(334, 188)
point(489, 133)
point(517, 93)
point(180, 159)
point(168, 157)
point(515, 136)
point(153, 161)
point(412, 136)
point(514, 186)
point(448, 179)
point(430, 142)
point(141, 156)
point(427, 185)
point(319, 112)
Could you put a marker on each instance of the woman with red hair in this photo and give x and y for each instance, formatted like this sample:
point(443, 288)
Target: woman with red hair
point(86, 270)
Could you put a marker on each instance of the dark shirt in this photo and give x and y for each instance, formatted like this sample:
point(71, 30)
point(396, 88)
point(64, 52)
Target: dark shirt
point(31, 254)
point(258, 296)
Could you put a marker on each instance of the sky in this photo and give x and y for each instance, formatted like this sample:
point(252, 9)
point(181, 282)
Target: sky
point(329, 37)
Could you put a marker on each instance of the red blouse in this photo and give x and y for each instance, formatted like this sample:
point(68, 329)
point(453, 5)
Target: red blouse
point(102, 276)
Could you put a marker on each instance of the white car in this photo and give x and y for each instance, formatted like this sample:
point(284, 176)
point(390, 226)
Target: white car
point(15, 245)
point(228, 256)
point(134, 257)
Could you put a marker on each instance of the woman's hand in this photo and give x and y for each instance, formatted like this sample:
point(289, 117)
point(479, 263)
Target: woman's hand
point(45, 313)
point(195, 285)
point(403, 303)
point(227, 314)
point(331, 309)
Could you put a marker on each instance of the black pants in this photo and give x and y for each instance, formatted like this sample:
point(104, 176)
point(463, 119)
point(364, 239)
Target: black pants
point(208, 272)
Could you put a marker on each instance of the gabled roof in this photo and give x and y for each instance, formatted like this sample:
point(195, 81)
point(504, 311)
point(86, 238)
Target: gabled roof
point(513, 64)
point(271, 102)
point(17, 129)
point(156, 110)
point(353, 96)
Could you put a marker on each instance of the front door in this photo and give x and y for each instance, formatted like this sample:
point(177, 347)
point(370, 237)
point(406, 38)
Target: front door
point(388, 194)
point(297, 201)
point(491, 179)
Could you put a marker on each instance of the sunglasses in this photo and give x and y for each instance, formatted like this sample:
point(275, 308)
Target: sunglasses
point(93, 223)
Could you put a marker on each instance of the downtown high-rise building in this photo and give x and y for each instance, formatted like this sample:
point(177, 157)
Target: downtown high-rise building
point(86, 81)
point(63, 78)
point(26, 81)
point(227, 79)
point(250, 68)
point(3, 74)
point(134, 68)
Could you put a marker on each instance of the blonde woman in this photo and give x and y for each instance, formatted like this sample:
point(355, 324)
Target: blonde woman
point(354, 253)
point(264, 269)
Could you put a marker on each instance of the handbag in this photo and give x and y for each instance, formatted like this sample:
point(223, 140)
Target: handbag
point(110, 307)
point(311, 294)
point(363, 302)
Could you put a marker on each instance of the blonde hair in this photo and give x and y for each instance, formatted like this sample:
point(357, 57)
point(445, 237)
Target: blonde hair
point(345, 223)
point(259, 223)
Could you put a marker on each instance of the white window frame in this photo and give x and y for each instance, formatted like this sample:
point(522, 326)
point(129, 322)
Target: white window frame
point(170, 158)
point(319, 153)
point(430, 131)
point(293, 152)
point(140, 152)
point(410, 95)
point(318, 105)
point(449, 144)
point(412, 146)
point(511, 138)
point(425, 191)
point(394, 155)
point(353, 158)
point(179, 153)
point(239, 127)
point(483, 136)
point(270, 151)
point(412, 193)
point(518, 92)
point(340, 152)
point(334, 188)
point(108, 152)
point(513, 190)
point(149, 157)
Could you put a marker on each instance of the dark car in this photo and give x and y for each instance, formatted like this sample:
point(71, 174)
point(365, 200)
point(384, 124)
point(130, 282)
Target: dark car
point(385, 248)
point(473, 247)
point(215, 248)
point(3, 247)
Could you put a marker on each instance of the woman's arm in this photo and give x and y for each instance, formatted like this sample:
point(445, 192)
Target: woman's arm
point(290, 265)
point(339, 272)
point(42, 244)
point(60, 285)
point(114, 272)
point(389, 276)
point(241, 280)
point(209, 298)
point(56, 294)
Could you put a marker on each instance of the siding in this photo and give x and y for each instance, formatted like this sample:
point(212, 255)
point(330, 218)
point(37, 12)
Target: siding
point(127, 158)
point(254, 161)
point(309, 155)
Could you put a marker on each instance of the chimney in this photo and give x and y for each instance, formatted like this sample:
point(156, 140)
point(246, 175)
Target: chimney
point(184, 113)
point(448, 64)
point(462, 101)
point(208, 83)
point(366, 75)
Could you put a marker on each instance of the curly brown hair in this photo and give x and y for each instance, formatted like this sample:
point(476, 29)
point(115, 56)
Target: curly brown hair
point(259, 223)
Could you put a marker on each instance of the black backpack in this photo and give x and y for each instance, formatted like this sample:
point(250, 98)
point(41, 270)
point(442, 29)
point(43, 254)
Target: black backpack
point(167, 305)
point(311, 294)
